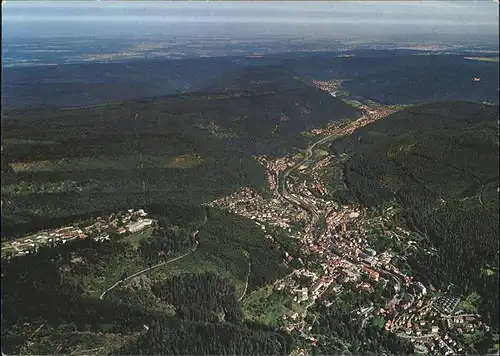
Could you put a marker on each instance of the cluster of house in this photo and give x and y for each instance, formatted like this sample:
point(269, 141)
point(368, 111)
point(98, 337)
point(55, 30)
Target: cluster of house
point(416, 317)
point(308, 188)
point(98, 229)
point(343, 252)
point(305, 285)
point(273, 167)
point(247, 203)
point(337, 265)
point(332, 87)
point(376, 114)
point(422, 317)
point(324, 162)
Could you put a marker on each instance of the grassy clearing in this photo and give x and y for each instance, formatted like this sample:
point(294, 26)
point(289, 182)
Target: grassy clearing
point(135, 238)
point(184, 161)
point(333, 176)
point(318, 153)
point(378, 322)
point(298, 157)
point(308, 135)
point(197, 263)
point(354, 103)
point(470, 303)
point(108, 162)
point(472, 339)
point(77, 343)
point(267, 306)
point(489, 272)
point(19, 141)
point(217, 130)
point(96, 278)
point(376, 105)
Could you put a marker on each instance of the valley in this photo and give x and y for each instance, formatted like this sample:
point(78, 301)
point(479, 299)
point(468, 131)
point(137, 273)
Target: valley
point(326, 247)
point(250, 178)
point(339, 251)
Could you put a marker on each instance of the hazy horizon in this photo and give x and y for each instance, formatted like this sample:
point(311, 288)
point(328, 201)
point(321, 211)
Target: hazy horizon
point(370, 19)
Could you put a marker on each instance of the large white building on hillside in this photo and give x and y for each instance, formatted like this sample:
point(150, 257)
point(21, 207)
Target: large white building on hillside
point(139, 225)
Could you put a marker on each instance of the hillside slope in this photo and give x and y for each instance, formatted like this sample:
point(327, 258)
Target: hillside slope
point(194, 298)
point(440, 161)
point(188, 148)
point(283, 104)
point(97, 83)
point(403, 78)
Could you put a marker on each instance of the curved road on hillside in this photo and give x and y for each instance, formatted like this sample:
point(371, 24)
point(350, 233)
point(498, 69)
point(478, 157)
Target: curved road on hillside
point(292, 199)
point(246, 282)
point(308, 154)
point(148, 269)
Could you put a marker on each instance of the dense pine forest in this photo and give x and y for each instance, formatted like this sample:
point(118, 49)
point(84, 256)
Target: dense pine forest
point(440, 161)
point(180, 149)
point(58, 289)
point(339, 333)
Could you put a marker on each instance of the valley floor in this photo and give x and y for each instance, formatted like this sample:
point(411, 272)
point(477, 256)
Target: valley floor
point(330, 249)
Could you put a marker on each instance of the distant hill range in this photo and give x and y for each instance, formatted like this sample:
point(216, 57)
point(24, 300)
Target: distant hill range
point(269, 77)
point(405, 79)
point(193, 147)
point(387, 77)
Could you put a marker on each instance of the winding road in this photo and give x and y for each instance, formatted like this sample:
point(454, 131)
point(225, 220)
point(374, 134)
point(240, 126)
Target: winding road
point(246, 282)
point(302, 203)
point(148, 269)
point(292, 199)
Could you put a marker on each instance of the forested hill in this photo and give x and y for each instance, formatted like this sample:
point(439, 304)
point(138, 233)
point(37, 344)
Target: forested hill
point(440, 161)
point(385, 76)
point(192, 147)
point(285, 103)
point(404, 77)
point(53, 303)
point(448, 147)
point(270, 77)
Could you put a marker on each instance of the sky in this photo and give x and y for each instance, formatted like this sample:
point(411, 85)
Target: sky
point(142, 18)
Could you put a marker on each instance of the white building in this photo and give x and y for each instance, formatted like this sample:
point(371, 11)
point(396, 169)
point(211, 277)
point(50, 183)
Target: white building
point(302, 294)
point(422, 288)
point(139, 225)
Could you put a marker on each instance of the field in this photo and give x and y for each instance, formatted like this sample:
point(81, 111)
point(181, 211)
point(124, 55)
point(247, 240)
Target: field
point(135, 238)
point(319, 154)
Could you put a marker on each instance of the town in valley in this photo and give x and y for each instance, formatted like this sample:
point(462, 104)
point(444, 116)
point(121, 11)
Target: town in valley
point(336, 250)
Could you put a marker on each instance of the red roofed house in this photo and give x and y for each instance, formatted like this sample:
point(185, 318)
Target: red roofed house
point(373, 274)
